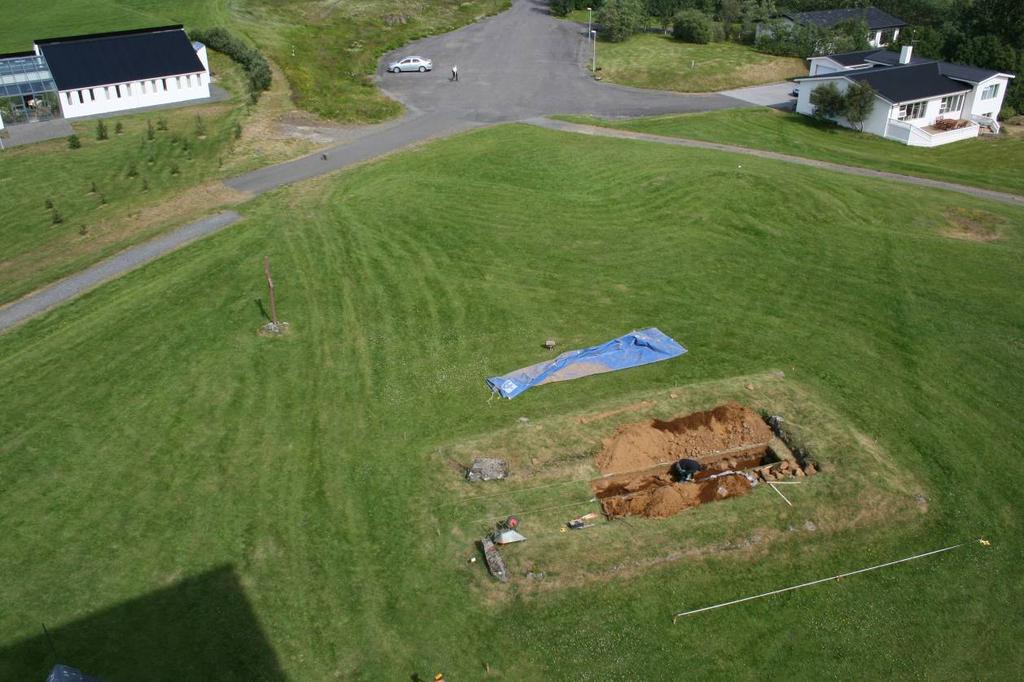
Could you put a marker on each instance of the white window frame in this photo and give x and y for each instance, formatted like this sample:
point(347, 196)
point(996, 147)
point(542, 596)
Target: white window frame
point(990, 91)
point(951, 103)
point(918, 109)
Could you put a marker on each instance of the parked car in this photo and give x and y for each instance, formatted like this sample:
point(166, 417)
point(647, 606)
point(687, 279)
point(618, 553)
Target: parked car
point(411, 64)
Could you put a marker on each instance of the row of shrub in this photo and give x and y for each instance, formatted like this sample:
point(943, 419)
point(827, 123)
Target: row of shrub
point(700, 21)
point(256, 66)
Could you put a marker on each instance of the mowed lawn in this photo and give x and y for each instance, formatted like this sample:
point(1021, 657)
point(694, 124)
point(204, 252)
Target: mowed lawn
point(987, 161)
point(184, 499)
point(656, 61)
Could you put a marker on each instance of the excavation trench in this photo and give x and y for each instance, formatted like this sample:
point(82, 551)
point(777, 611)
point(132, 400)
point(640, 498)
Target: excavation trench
point(728, 441)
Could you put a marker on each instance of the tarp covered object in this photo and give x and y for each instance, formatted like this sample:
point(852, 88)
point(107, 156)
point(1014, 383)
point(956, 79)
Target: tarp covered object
point(632, 350)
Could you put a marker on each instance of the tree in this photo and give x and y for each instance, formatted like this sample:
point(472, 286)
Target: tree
point(561, 8)
point(620, 19)
point(858, 103)
point(828, 102)
point(693, 26)
point(663, 11)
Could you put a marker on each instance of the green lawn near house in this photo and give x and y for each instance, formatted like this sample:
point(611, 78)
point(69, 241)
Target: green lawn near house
point(657, 61)
point(186, 499)
point(988, 161)
point(66, 208)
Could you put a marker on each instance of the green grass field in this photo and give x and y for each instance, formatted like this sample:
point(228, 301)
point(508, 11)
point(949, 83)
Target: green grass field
point(657, 61)
point(992, 162)
point(185, 497)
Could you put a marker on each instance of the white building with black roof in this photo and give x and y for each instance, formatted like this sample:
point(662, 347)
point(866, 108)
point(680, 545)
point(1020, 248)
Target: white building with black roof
point(920, 102)
point(103, 73)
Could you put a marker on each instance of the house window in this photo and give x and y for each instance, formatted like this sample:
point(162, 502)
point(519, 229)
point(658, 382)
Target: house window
point(165, 84)
point(179, 82)
point(81, 99)
point(912, 111)
point(106, 91)
point(888, 35)
point(117, 89)
point(990, 92)
point(68, 96)
point(951, 103)
point(92, 95)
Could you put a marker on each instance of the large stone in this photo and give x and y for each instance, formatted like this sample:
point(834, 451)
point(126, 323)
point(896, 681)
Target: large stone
point(487, 469)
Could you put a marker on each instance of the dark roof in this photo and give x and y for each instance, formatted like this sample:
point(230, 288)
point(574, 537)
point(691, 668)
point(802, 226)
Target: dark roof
point(11, 55)
point(881, 59)
point(850, 58)
point(101, 59)
point(972, 74)
point(876, 19)
point(909, 82)
point(890, 58)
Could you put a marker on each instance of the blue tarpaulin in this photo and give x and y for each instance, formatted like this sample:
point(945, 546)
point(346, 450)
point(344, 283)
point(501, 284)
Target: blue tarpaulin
point(632, 350)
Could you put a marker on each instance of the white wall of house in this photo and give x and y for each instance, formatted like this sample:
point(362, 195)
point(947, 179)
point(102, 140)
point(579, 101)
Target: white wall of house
point(803, 100)
point(976, 105)
point(823, 65)
point(105, 99)
point(876, 38)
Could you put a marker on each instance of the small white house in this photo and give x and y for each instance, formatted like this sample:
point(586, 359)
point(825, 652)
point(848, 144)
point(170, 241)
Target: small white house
point(110, 72)
point(920, 102)
point(883, 28)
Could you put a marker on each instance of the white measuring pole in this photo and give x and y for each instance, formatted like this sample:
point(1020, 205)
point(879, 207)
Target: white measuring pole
point(814, 582)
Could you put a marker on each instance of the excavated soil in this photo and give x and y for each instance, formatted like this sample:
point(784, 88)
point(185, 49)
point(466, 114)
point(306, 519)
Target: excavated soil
point(636, 461)
point(661, 497)
point(730, 428)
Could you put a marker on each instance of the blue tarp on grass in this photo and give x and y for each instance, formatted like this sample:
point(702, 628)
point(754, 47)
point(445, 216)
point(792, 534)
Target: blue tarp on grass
point(632, 350)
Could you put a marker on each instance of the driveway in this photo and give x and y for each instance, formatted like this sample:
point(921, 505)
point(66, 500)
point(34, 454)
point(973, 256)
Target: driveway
point(775, 95)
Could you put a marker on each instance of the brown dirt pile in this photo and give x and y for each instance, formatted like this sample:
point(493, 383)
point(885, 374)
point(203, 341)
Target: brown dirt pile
point(668, 499)
point(728, 427)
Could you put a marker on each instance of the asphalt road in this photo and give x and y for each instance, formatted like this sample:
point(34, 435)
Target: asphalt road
point(516, 65)
point(521, 64)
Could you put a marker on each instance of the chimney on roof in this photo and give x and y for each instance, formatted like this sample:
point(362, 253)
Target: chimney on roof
point(905, 52)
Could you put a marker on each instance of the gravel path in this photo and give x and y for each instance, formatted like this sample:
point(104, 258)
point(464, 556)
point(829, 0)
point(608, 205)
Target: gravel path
point(115, 266)
point(992, 195)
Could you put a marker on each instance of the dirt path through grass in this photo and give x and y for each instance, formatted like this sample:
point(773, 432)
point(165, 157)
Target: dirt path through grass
point(992, 195)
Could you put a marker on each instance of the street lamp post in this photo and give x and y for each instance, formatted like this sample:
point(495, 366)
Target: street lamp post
point(593, 36)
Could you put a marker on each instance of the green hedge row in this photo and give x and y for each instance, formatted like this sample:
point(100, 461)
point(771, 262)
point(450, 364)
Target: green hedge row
point(251, 59)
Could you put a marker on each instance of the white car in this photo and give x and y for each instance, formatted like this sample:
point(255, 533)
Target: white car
point(411, 64)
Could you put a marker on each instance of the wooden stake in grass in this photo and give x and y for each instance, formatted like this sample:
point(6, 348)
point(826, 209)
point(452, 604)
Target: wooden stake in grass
point(270, 287)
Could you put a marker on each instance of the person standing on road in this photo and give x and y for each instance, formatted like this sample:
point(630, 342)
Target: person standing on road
point(455, 72)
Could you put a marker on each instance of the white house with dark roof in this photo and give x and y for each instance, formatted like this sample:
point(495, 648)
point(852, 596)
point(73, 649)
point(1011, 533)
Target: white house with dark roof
point(883, 28)
point(920, 102)
point(103, 73)
point(110, 72)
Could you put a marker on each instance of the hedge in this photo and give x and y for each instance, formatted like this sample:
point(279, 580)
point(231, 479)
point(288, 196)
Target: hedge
point(250, 59)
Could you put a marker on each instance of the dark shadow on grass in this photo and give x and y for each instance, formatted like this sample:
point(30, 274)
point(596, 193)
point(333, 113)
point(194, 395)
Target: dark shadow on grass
point(263, 311)
point(202, 628)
